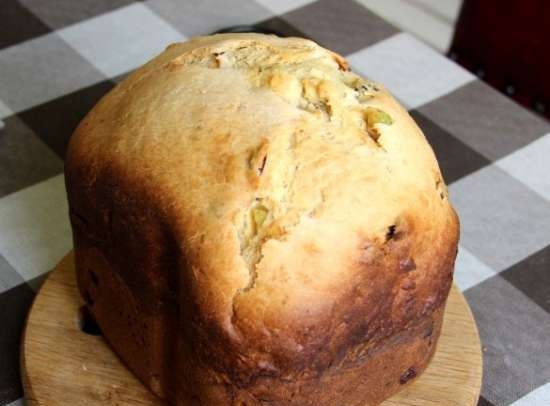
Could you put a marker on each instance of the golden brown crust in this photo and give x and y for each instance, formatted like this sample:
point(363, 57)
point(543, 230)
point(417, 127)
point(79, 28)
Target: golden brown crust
point(274, 225)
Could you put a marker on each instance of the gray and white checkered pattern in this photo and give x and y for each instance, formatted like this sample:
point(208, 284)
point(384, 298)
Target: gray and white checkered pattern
point(57, 58)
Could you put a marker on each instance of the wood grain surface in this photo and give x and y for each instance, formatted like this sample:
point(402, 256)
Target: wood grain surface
point(62, 366)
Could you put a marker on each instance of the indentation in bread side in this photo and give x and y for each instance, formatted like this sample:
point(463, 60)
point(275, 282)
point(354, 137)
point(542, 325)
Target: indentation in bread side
point(272, 166)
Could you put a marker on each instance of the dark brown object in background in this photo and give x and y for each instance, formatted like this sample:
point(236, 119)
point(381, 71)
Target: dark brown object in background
point(507, 45)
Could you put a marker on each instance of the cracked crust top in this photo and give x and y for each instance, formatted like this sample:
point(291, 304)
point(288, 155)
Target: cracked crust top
point(306, 203)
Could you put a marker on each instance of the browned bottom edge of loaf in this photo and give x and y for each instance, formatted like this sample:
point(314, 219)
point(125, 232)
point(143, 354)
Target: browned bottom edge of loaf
point(147, 344)
point(395, 363)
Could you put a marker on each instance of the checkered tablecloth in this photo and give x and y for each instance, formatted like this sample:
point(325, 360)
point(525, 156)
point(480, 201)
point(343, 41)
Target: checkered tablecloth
point(58, 57)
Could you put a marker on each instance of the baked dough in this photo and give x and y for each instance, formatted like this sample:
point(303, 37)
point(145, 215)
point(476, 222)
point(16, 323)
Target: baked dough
point(254, 224)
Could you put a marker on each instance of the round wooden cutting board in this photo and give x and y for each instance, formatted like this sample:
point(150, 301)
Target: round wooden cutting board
point(63, 366)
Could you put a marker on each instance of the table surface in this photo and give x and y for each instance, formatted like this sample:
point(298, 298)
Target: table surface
point(57, 58)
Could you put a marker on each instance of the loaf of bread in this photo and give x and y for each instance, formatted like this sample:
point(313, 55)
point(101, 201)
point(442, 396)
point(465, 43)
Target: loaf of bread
point(254, 224)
